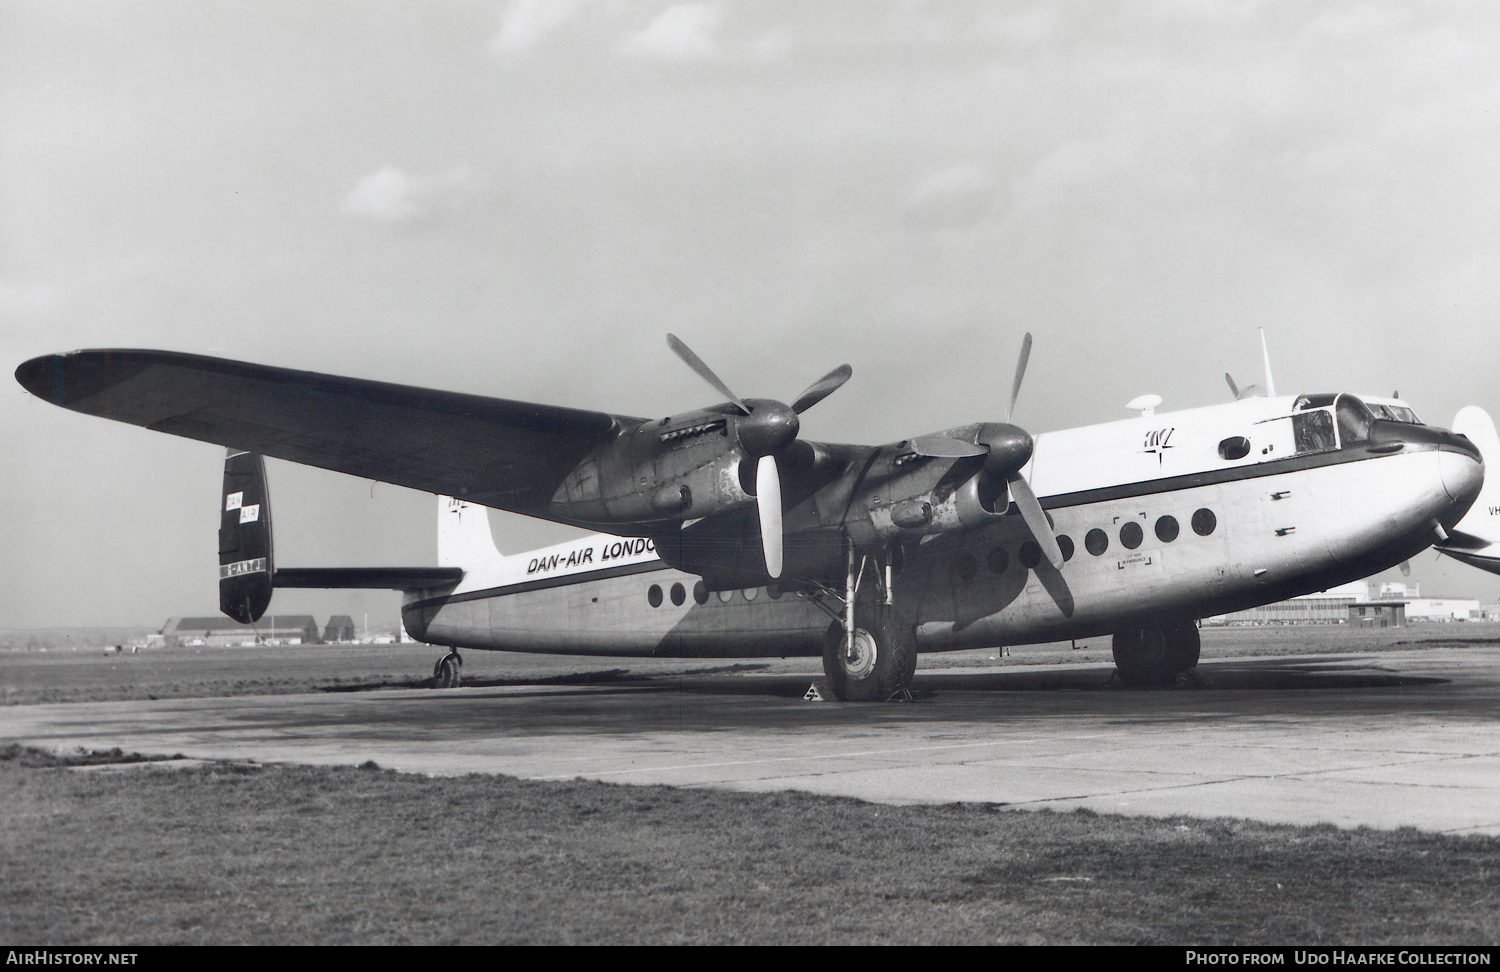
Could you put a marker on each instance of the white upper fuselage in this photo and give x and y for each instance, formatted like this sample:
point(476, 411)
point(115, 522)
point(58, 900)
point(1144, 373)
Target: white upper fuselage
point(1174, 515)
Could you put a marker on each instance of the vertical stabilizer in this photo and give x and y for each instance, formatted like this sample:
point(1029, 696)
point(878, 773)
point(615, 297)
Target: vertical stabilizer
point(245, 565)
point(464, 538)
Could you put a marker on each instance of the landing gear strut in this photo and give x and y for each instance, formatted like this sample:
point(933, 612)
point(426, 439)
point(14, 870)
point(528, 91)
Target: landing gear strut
point(872, 655)
point(1155, 655)
point(447, 672)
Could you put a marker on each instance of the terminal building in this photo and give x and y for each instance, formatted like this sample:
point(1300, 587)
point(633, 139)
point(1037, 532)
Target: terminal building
point(1369, 603)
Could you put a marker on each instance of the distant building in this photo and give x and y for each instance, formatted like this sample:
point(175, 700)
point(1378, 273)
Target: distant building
point(1324, 607)
point(1378, 614)
point(340, 627)
point(273, 629)
point(1362, 602)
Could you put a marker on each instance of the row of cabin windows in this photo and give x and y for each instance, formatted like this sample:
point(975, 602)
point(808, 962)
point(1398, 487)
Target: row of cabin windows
point(678, 594)
point(1096, 542)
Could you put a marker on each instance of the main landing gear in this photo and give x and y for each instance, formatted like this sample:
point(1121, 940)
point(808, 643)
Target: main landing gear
point(1153, 656)
point(881, 663)
point(871, 655)
point(447, 673)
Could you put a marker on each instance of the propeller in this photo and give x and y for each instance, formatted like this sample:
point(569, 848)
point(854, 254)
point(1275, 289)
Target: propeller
point(1249, 391)
point(765, 428)
point(1010, 449)
point(1007, 448)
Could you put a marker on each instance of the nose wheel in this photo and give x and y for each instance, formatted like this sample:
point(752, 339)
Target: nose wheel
point(447, 673)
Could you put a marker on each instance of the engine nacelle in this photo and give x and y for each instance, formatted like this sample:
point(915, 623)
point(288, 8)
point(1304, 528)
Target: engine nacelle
point(976, 501)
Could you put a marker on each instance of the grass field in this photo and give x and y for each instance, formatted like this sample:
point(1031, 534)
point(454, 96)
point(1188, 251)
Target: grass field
point(292, 855)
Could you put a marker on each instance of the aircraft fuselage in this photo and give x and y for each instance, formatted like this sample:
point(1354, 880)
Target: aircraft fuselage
point(1164, 518)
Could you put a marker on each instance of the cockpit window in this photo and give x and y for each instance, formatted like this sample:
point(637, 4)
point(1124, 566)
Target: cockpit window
point(1314, 431)
point(1394, 413)
point(1314, 401)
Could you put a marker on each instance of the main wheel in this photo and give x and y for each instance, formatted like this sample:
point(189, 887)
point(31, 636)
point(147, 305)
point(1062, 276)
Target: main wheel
point(882, 663)
point(1140, 657)
point(1184, 646)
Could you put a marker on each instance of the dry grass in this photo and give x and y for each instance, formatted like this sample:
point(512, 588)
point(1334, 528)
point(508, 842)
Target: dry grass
point(240, 854)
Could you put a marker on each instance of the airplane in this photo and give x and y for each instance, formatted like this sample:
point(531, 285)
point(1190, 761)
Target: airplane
point(719, 532)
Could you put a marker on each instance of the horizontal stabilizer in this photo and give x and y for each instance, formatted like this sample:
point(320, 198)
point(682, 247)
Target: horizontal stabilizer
point(370, 578)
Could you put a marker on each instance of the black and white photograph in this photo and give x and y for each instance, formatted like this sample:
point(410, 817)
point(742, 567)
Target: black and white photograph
point(897, 472)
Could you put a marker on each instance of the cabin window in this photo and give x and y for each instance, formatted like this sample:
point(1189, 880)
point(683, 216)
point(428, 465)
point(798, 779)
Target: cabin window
point(998, 560)
point(1167, 529)
point(1065, 544)
point(1031, 554)
point(700, 593)
point(654, 595)
point(1204, 522)
point(1096, 541)
point(1234, 447)
point(726, 596)
point(679, 594)
point(1131, 535)
point(750, 593)
point(773, 591)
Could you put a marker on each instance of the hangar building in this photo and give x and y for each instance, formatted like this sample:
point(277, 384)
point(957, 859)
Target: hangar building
point(277, 629)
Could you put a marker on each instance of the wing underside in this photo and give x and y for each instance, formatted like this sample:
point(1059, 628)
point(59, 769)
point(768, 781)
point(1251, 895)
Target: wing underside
point(505, 454)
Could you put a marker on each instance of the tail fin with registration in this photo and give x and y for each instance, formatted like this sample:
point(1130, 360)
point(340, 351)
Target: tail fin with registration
point(247, 571)
point(245, 558)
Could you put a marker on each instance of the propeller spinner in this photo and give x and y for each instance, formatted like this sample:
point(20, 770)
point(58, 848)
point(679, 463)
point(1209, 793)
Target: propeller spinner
point(1007, 448)
point(765, 428)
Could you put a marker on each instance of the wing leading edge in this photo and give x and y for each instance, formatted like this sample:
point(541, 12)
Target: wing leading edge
point(504, 454)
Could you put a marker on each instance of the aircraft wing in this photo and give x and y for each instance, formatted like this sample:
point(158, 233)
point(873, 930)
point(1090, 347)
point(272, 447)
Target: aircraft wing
point(505, 454)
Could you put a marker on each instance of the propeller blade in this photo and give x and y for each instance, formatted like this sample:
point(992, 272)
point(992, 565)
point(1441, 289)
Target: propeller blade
point(822, 388)
point(1233, 388)
point(768, 502)
point(1015, 388)
point(941, 447)
point(1036, 519)
point(704, 371)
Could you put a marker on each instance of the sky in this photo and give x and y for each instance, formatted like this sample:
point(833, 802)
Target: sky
point(522, 198)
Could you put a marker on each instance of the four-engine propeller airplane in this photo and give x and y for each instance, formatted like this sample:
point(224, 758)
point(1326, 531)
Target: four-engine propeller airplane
point(724, 534)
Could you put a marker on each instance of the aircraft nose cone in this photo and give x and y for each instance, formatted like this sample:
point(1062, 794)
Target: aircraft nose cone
point(769, 428)
point(1463, 476)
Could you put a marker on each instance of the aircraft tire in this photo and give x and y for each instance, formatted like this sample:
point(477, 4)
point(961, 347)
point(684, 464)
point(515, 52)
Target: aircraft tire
point(1184, 647)
point(446, 671)
point(1141, 657)
point(885, 658)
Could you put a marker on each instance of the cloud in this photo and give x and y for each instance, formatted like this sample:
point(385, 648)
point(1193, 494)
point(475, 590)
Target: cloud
point(391, 196)
point(960, 195)
point(683, 33)
point(526, 23)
